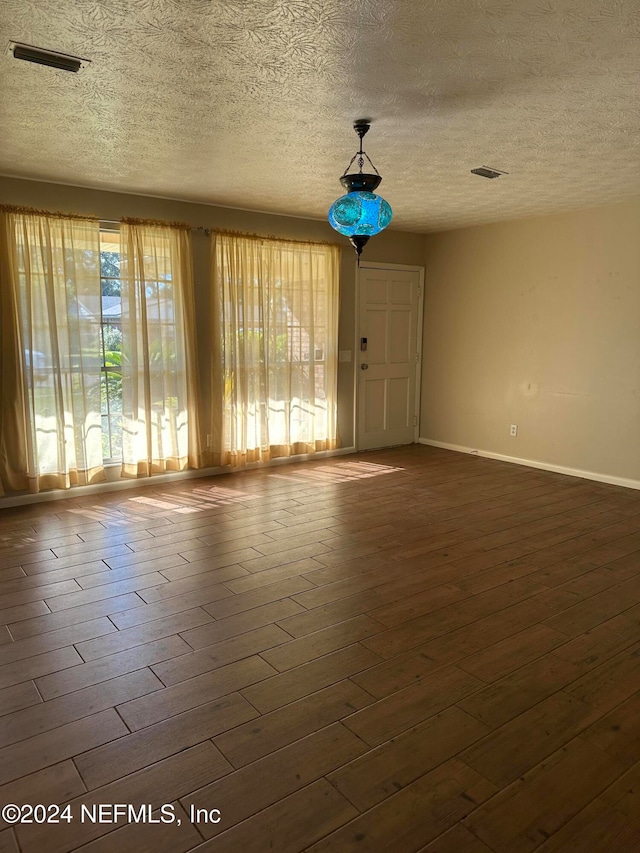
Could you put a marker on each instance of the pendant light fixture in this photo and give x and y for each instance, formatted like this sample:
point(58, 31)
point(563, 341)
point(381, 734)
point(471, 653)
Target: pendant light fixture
point(361, 213)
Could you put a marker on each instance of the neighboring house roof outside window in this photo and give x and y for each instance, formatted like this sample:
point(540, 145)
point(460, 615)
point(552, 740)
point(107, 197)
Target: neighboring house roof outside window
point(89, 306)
point(111, 307)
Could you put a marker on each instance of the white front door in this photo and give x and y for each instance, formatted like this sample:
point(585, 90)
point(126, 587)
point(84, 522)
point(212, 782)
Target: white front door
point(388, 353)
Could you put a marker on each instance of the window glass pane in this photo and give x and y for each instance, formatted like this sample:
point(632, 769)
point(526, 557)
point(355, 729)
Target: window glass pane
point(111, 287)
point(110, 259)
point(112, 338)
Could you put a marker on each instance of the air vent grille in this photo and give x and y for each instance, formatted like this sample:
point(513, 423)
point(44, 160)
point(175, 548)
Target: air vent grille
point(487, 172)
point(52, 58)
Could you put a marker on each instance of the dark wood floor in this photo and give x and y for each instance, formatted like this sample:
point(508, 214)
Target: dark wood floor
point(410, 650)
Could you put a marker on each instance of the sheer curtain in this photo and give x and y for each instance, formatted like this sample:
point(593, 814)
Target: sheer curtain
point(276, 320)
point(159, 381)
point(50, 428)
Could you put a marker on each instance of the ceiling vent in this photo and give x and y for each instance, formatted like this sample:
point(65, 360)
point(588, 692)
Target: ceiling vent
point(487, 172)
point(40, 56)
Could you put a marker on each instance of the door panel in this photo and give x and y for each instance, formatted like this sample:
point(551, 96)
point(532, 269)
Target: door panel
point(398, 403)
point(377, 337)
point(388, 319)
point(399, 336)
point(374, 409)
point(400, 292)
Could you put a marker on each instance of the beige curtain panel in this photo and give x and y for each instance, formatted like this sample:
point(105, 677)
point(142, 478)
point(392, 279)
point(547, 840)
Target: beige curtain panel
point(276, 326)
point(159, 375)
point(50, 426)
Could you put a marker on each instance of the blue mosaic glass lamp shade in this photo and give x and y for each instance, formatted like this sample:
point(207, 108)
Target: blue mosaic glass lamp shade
point(360, 213)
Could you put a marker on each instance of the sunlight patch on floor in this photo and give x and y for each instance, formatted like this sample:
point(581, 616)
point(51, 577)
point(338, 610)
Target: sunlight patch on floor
point(339, 473)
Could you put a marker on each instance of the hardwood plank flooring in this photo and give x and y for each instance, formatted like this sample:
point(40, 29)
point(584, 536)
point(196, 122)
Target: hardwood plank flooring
point(408, 649)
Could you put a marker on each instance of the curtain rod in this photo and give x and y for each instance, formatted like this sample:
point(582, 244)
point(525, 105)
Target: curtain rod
point(118, 222)
point(201, 229)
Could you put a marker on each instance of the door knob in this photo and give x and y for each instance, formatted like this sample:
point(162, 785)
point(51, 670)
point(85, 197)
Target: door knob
point(364, 367)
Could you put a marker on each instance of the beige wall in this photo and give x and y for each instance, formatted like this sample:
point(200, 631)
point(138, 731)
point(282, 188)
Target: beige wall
point(536, 322)
point(390, 246)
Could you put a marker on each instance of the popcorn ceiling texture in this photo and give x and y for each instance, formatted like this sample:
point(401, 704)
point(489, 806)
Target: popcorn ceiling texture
point(250, 103)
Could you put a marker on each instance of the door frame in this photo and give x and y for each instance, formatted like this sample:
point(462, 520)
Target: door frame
point(419, 333)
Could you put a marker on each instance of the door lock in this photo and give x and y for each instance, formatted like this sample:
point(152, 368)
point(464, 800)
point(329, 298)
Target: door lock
point(364, 367)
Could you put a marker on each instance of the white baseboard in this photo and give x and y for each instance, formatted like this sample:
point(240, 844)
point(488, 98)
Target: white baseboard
point(533, 463)
point(159, 479)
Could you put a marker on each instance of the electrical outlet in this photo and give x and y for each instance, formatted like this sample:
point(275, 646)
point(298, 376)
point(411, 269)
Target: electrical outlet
point(209, 440)
point(513, 430)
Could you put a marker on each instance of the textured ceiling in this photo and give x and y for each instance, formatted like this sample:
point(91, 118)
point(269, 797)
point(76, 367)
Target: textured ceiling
point(250, 103)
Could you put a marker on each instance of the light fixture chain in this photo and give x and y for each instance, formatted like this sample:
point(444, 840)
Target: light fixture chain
point(370, 163)
point(350, 163)
point(360, 163)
